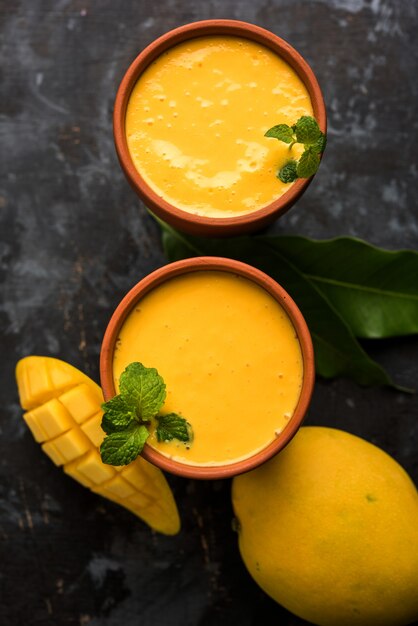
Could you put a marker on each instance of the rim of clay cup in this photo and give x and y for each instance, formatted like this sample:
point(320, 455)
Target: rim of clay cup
point(178, 268)
point(182, 220)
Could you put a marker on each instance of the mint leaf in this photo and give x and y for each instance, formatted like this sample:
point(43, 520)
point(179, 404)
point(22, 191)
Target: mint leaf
point(125, 418)
point(282, 132)
point(118, 414)
point(173, 426)
point(307, 130)
point(143, 387)
point(288, 172)
point(319, 145)
point(308, 163)
point(121, 448)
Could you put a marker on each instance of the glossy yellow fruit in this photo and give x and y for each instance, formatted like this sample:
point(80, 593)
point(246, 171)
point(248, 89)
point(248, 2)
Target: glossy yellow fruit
point(329, 529)
point(64, 415)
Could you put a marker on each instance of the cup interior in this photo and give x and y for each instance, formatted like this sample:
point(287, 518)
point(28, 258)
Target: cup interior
point(182, 220)
point(178, 268)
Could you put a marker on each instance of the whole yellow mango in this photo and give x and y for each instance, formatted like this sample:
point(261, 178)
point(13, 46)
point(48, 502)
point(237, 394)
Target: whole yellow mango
point(329, 529)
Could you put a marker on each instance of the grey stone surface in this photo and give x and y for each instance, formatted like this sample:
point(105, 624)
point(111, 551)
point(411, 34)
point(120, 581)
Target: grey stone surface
point(74, 238)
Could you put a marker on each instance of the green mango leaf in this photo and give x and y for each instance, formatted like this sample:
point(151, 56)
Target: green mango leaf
point(337, 351)
point(374, 290)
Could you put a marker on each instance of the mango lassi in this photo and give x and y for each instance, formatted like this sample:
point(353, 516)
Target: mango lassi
point(229, 355)
point(196, 119)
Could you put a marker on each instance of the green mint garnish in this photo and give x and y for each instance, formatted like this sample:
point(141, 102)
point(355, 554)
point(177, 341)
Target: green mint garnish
point(307, 132)
point(282, 132)
point(127, 416)
point(288, 173)
point(144, 388)
point(118, 415)
point(173, 426)
point(319, 145)
point(121, 448)
point(308, 163)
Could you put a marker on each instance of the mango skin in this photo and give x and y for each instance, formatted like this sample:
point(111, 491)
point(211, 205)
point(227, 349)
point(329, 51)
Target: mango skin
point(329, 529)
point(64, 415)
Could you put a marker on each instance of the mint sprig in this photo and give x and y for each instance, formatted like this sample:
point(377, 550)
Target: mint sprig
point(308, 163)
point(282, 132)
point(121, 448)
point(118, 415)
point(173, 426)
point(288, 173)
point(307, 132)
point(144, 389)
point(127, 416)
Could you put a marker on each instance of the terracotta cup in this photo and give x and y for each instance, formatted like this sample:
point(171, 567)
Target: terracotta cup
point(172, 270)
point(187, 222)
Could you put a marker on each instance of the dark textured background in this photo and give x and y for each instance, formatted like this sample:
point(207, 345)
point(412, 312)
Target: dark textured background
point(74, 239)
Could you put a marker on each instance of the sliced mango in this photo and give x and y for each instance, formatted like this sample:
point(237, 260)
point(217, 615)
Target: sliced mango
point(64, 414)
point(93, 429)
point(52, 418)
point(82, 401)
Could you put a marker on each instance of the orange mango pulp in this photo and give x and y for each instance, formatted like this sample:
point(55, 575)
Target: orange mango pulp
point(229, 356)
point(196, 119)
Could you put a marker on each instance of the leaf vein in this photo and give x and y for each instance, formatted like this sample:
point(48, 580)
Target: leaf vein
point(346, 285)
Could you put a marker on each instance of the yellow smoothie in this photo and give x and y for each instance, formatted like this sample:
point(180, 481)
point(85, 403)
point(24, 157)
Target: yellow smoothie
point(196, 119)
point(229, 356)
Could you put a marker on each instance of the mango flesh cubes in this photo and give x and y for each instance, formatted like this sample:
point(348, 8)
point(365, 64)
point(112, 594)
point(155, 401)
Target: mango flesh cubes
point(64, 415)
